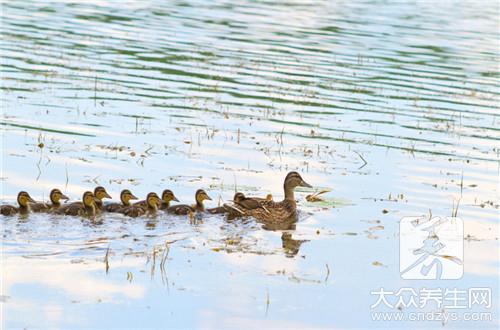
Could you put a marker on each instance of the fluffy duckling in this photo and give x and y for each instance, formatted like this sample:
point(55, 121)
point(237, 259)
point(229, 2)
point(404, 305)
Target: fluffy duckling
point(87, 207)
point(183, 209)
point(100, 193)
point(55, 202)
point(274, 211)
point(24, 200)
point(167, 196)
point(153, 202)
point(125, 197)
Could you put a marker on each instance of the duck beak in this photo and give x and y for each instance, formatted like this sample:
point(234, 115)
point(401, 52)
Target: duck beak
point(175, 199)
point(208, 197)
point(31, 200)
point(133, 197)
point(305, 184)
point(107, 195)
point(64, 197)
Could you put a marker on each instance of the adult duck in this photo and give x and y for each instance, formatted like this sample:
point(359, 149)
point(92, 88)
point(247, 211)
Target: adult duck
point(269, 210)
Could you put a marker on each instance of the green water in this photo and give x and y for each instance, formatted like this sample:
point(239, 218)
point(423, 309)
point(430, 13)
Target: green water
point(391, 105)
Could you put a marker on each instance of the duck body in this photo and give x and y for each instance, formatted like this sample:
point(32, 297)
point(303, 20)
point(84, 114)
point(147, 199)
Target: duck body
point(184, 209)
point(8, 210)
point(269, 210)
point(150, 207)
point(24, 200)
point(125, 197)
point(167, 196)
point(87, 207)
point(55, 202)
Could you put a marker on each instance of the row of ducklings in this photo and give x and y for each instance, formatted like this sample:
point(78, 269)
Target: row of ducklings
point(92, 203)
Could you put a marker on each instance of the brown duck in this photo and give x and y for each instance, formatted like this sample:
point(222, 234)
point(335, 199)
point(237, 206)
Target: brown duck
point(153, 202)
point(87, 207)
point(100, 193)
point(55, 202)
point(269, 210)
point(125, 197)
point(24, 200)
point(240, 199)
point(183, 209)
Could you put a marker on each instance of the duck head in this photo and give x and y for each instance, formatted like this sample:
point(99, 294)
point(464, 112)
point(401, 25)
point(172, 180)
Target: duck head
point(167, 196)
point(126, 196)
point(89, 199)
point(100, 193)
point(200, 196)
point(153, 200)
point(238, 197)
point(23, 198)
point(56, 195)
point(292, 180)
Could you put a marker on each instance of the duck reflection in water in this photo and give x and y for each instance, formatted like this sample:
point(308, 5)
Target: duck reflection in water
point(291, 246)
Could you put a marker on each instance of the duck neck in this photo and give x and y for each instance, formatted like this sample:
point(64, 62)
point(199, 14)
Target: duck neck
point(199, 205)
point(153, 208)
point(56, 204)
point(289, 193)
point(90, 209)
point(23, 209)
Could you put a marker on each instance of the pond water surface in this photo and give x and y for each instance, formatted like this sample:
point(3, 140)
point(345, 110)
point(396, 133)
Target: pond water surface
point(392, 106)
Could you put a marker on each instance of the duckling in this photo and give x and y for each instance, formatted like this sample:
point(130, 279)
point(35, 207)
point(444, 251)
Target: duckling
point(100, 193)
point(183, 209)
point(55, 197)
point(87, 207)
point(275, 211)
point(24, 200)
point(167, 196)
point(125, 197)
point(153, 203)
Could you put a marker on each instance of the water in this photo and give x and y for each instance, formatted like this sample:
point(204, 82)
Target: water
point(394, 106)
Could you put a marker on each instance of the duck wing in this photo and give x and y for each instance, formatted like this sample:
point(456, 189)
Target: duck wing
point(40, 207)
point(181, 209)
point(75, 208)
point(133, 211)
point(8, 210)
point(113, 207)
point(217, 210)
